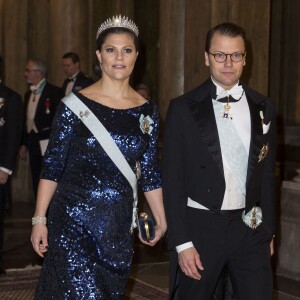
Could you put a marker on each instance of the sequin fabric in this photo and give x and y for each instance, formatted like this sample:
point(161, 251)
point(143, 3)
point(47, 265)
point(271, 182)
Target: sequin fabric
point(89, 217)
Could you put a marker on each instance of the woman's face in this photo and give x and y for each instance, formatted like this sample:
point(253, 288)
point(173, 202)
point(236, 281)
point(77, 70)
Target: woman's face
point(117, 56)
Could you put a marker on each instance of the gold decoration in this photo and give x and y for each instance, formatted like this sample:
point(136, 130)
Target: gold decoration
point(263, 152)
point(226, 114)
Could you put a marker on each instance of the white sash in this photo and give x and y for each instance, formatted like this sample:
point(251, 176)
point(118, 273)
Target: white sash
point(232, 147)
point(107, 143)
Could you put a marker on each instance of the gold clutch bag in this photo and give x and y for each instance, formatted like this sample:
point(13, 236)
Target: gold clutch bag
point(146, 227)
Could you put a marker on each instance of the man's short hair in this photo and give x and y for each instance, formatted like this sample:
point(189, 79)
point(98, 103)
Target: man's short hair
point(74, 57)
point(40, 65)
point(227, 29)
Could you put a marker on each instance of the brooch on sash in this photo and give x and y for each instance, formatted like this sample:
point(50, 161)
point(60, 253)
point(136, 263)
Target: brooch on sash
point(84, 114)
point(253, 218)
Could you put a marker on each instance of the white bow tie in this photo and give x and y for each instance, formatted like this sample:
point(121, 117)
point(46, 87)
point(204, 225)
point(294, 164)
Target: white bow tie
point(236, 92)
point(34, 88)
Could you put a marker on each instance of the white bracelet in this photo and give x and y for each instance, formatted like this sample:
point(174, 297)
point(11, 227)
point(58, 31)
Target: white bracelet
point(39, 220)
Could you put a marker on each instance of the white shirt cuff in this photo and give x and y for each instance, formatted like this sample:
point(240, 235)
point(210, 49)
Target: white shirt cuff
point(184, 246)
point(9, 172)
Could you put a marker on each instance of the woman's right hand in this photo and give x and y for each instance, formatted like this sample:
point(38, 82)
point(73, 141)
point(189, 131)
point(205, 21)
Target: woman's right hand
point(39, 239)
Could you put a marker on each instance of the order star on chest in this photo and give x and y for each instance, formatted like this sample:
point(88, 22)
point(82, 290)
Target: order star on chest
point(146, 124)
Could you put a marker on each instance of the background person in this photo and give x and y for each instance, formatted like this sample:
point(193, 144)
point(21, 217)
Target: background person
point(10, 139)
point(143, 90)
point(76, 80)
point(40, 106)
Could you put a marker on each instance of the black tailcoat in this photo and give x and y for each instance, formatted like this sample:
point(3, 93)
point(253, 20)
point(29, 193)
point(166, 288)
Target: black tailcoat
point(192, 160)
point(80, 83)
point(11, 115)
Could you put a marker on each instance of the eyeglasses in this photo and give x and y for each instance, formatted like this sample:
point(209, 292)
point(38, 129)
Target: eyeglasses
point(33, 70)
point(221, 57)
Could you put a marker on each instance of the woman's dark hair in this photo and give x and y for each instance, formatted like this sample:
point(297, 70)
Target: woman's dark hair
point(227, 29)
point(103, 36)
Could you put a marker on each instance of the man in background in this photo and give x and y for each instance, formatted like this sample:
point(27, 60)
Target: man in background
point(143, 90)
point(76, 80)
point(40, 105)
point(10, 139)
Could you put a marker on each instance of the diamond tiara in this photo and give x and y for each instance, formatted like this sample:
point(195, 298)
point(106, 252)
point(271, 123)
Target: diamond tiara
point(118, 21)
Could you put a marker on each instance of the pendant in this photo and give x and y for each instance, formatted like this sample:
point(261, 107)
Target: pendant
point(47, 111)
point(226, 114)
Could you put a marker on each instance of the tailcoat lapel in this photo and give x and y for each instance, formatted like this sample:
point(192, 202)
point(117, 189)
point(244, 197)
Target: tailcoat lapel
point(256, 134)
point(204, 116)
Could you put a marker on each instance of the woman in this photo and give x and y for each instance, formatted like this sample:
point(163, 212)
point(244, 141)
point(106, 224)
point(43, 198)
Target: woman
point(88, 242)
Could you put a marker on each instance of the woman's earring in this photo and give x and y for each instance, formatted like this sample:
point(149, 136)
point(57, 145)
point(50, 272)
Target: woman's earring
point(101, 66)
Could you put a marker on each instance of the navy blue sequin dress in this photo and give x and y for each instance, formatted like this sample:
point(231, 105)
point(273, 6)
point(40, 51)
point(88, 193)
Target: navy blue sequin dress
point(89, 217)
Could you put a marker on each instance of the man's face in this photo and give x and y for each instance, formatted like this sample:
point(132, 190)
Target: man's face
point(228, 73)
point(32, 74)
point(70, 68)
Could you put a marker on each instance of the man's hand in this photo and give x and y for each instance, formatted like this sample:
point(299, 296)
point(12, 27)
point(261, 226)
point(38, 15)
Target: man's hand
point(23, 152)
point(189, 261)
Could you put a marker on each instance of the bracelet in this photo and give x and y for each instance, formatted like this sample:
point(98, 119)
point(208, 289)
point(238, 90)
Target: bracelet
point(39, 220)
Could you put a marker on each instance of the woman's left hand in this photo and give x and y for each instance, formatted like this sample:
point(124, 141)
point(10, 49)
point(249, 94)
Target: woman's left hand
point(159, 233)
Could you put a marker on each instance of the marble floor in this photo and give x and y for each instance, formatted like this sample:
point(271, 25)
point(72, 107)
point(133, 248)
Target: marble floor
point(150, 265)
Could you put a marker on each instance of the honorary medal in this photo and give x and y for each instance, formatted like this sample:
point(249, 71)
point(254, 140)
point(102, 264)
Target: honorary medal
point(253, 218)
point(263, 152)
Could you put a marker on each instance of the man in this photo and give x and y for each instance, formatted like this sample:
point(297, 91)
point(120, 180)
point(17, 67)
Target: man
point(10, 138)
point(40, 105)
point(218, 178)
point(76, 80)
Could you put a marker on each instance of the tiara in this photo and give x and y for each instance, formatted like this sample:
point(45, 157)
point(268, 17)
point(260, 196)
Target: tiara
point(118, 21)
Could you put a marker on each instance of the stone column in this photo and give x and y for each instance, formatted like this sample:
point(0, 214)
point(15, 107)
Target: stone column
point(68, 31)
point(171, 51)
point(285, 60)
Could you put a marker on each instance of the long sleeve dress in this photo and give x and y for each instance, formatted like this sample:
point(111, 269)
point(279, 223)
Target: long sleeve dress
point(90, 214)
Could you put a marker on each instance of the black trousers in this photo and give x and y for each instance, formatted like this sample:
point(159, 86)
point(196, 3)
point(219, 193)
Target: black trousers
point(224, 241)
